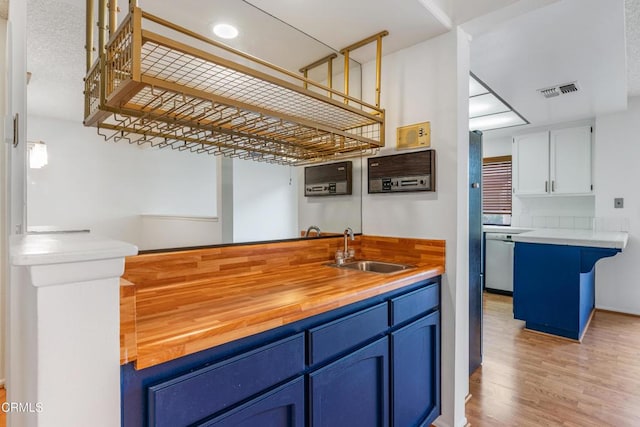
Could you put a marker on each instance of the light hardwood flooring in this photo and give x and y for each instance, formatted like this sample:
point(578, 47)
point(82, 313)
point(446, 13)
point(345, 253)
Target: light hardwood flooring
point(529, 379)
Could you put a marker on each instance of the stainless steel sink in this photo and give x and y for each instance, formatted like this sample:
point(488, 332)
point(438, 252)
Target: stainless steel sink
point(374, 266)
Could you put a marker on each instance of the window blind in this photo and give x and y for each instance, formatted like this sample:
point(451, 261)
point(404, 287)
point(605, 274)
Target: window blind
point(496, 185)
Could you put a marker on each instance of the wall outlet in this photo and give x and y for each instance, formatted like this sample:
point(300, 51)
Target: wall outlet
point(618, 202)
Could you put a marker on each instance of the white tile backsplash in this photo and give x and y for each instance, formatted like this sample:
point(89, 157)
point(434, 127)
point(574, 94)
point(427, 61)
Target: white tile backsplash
point(539, 222)
point(550, 221)
point(567, 222)
point(611, 224)
point(583, 222)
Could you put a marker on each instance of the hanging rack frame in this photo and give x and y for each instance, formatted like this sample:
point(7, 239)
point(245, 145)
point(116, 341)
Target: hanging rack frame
point(203, 96)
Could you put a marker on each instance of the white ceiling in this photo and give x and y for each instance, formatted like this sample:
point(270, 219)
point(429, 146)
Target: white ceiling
point(570, 40)
point(340, 23)
point(518, 45)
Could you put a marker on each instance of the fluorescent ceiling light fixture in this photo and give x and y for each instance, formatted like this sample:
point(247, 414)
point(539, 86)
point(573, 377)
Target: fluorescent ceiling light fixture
point(487, 111)
point(475, 88)
point(496, 121)
point(483, 105)
point(225, 31)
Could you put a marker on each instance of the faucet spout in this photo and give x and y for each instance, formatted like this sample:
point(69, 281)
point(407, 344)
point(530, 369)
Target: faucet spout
point(348, 232)
point(313, 227)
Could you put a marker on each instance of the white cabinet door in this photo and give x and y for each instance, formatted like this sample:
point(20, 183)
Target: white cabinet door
point(531, 163)
point(570, 171)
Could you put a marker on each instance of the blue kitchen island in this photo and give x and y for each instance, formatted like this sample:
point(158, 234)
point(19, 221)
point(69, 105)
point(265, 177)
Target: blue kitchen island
point(554, 278)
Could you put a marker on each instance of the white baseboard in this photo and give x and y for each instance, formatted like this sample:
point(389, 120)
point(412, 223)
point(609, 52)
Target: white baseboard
point(616, 310)
point(439, 422)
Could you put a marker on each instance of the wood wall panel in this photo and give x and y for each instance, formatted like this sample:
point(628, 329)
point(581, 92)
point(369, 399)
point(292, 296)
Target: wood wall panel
point(158, 269)
point(402, 250)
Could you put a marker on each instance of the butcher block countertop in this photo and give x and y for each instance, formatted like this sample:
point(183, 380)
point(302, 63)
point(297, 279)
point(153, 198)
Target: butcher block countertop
point(194, 300)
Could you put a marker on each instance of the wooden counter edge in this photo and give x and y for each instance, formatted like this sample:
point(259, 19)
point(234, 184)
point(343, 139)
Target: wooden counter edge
point(128, 336)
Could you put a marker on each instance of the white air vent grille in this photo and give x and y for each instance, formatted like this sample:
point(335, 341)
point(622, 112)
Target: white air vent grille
point(550, 92)
point(571, 87)
point(563, 89)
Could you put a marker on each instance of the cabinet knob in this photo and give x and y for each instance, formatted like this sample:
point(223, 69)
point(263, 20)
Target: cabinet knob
point(475, 185)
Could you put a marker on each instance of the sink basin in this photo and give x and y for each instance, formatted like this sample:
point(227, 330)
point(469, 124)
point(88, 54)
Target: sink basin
point(374, 266)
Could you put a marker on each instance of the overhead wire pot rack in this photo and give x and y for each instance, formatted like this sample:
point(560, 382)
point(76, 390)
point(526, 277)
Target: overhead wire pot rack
point(149, 89)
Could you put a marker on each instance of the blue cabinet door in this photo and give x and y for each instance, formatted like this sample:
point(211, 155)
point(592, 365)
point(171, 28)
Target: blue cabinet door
point(353, 391)
point(282, 407)
point(194, 396)
point(416, 372)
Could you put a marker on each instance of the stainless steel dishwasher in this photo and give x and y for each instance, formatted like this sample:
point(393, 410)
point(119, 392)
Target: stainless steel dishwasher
point(499, 263)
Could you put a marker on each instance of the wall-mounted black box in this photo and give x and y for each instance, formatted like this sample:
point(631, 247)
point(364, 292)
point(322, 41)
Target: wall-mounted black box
point(406, 172)
point(332, 179)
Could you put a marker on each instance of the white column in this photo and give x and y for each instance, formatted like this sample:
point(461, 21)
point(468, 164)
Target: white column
point(68, 329)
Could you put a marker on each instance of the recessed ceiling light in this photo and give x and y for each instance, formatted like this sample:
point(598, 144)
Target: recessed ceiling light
point(225, 31)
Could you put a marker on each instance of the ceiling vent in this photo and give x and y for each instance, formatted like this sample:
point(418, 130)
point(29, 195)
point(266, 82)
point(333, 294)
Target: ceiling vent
point(552, 92)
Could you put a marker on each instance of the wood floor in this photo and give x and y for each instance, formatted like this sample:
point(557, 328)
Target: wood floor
point(529, 379)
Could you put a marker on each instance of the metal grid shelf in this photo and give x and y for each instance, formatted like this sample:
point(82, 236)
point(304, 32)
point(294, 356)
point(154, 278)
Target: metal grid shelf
point(150, 89)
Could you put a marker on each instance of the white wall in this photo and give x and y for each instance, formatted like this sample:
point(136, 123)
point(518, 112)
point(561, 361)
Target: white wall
point(106, 186)
point(617, 175)
point(333, 213)
point(3, 168)
point(20, 319)
point(494, 147)
point(429, 82)
point(265, 201)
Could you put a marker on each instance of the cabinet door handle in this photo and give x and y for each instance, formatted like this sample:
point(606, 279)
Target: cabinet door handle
point(546, 186)
point(553, 186)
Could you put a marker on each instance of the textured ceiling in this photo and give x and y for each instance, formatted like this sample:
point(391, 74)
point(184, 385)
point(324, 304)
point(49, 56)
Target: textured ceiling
point(56, 41)
point(55, 57)
point(632, 13)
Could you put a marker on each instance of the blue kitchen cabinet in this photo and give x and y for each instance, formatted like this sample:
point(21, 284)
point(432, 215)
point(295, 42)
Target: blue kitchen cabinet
point(353, 391)
point(415, 350)
point(283, 407)
point(372, 363)
point(554, 286)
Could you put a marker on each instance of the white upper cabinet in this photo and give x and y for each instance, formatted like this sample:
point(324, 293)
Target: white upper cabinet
point(530, 164)
point(570, 161)
point(553, 162)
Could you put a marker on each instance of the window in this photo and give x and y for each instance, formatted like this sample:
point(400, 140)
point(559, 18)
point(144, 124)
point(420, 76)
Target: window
point(496, 185)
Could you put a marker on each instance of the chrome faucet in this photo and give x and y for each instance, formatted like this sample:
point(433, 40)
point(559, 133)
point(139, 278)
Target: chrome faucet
point(313, 227)
point(347, 233)
point(347, 253)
